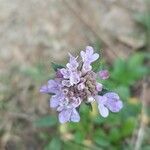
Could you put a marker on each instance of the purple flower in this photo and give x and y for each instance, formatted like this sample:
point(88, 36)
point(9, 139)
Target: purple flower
point(76, 84)
point(88, 57)
point(53, 87)
point(104, 74)
point(71, 73)
point(73, 64)
point(109, 101)
point(69, 115)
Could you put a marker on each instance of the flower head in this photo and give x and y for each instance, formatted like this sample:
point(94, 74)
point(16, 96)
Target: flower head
point(76, 84)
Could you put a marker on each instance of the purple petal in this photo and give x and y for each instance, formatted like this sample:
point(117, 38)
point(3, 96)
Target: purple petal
point(74, 78)
point(114, 105)
point(103, 110)
point(54, 101)
point(65, 73)
point(104, 74)
point(89, 50)
point(75, 117)
point(101, 100)
point(53, 86)
point(82, 54)
point(94, 57)
point(112, 95)
point(44, 89)
point(73, 64)
point(64, 116)
point(86, 67)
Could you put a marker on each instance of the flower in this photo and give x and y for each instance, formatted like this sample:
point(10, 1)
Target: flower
point(88, 57)
point(76, 84)
point(109, 101)
point(103, 74)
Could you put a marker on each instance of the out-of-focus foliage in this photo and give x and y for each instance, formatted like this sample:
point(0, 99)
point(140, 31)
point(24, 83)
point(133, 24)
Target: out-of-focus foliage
point(93, 131)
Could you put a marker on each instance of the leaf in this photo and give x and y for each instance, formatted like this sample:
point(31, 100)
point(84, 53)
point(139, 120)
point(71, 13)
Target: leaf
point(119, 72)
point(56, 66)
point(55, 144)
point(123, 91)
point(79, 136)
point(102, 142)
point(135, 60)
point(114, 135)
point(128, 127)
point(47, 121)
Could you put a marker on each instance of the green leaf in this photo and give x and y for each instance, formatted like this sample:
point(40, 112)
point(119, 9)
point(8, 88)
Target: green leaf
point(102, 142)
point(47, 121)
point(55, 144)
point(56, 66)
point(135, 60)
point(119, 72)
point(128, 127)
point(123, 91)
point(79, 136)
point(114, 135)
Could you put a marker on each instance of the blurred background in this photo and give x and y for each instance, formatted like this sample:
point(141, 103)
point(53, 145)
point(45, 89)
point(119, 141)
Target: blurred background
point(33, 33)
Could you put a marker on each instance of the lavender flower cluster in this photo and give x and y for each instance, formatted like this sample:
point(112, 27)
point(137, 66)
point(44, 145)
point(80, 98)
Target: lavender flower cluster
point(76, 84)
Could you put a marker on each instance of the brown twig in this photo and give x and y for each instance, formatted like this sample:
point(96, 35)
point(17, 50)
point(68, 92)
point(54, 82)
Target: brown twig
point(143, 120)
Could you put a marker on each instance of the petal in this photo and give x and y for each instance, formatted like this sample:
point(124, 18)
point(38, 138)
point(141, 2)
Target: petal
point(75, 117)
point(64, 116)
point(86, 67)
point(65, 73)
point(54, 101)
point(73, 64)
point(94, 57)
point(114, 105)
point(101, 100)
point(89, 50)
point(74, 78)
point(103, 110)
point(82, 54)
point(112, 95)
point(44, 89)
point(53, 86)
